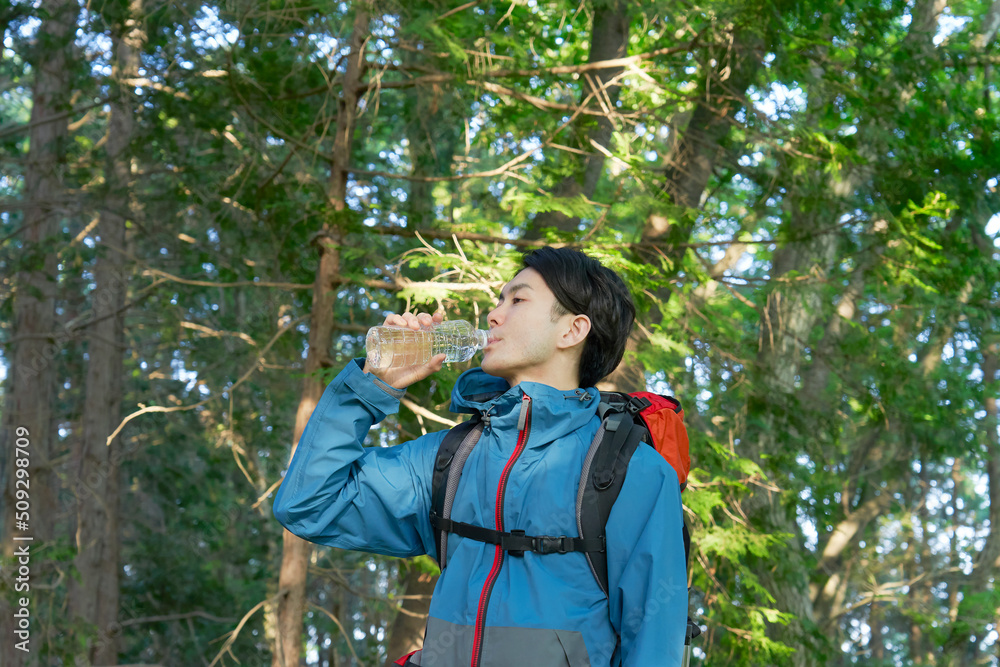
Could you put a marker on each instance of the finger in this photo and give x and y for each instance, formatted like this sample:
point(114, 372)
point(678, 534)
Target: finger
point(394, 320)
point(425, 320)
point(411, 321)
point(438, 316)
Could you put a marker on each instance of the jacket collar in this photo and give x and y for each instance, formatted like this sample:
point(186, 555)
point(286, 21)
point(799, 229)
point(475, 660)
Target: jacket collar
point(554, 413)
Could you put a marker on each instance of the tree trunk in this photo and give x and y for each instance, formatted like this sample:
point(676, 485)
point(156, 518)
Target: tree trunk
point(877, 641)
point(988, 562)
point(921, 647)
point(93, 597)
point(28, 396)
point(630, 375)
point(432, 133)
point(789, 316)
point(694, 155)
point(407, 632)
point(817, 376)
point(433, 125)
point(609, 40)
point(296, 552)
point(689, 167)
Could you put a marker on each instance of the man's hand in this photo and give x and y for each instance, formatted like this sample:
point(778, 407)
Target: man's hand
point(401, 378)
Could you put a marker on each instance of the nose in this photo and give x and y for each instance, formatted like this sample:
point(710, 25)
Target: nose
point(493, 317)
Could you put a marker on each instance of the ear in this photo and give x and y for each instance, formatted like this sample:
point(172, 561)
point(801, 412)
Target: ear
point(576, 333)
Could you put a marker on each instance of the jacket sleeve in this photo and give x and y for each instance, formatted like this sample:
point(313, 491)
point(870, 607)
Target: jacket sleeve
point(338, 493)
point(647, 575)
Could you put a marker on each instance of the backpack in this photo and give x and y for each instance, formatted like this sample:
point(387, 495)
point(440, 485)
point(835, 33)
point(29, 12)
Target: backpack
point(627, 420)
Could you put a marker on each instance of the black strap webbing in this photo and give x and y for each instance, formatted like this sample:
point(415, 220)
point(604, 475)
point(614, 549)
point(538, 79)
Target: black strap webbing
point(516, 542)
point(442, 469)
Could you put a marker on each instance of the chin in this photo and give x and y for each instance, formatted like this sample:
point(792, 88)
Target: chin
point(495, 372)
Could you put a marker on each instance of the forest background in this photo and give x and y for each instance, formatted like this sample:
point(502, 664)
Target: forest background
point(206, 204)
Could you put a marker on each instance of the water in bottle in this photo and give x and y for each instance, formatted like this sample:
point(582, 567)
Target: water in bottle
point(396, 347)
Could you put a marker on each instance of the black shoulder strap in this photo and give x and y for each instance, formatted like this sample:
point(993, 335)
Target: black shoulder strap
point(603, 476)
point(439, 482)
point(601, 481)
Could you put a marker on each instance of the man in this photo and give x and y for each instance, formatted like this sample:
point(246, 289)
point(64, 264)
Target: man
point(559, 327)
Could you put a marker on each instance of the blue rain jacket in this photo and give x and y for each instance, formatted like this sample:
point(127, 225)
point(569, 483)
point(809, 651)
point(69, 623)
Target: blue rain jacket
point(490, 608)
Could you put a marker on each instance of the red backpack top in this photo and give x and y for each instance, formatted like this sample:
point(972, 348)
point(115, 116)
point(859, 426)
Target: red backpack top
point(664, 419)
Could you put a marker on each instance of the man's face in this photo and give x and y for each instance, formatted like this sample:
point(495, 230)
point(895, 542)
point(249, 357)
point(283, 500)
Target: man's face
point(524, 338)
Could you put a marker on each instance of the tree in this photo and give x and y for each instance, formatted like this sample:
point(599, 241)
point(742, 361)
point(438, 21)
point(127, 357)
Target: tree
point(35, 341)
point(292, 580)
point(93, 598)
point(609, 36)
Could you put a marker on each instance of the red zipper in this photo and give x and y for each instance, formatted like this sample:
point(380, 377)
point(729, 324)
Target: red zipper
point(484, 597)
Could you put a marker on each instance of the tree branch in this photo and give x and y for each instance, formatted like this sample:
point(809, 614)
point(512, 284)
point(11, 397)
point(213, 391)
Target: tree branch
point(211, 283)
point(176, 617)
point(340, 626)
point(850, 527)
point(427, 414)
point(989, 27)
point(235, 633)
point(492, 75)
point(458, 9)
point(16, 128)
point(182, 408)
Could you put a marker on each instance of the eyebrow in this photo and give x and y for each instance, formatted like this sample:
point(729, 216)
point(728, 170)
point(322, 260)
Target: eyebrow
point(513, 289)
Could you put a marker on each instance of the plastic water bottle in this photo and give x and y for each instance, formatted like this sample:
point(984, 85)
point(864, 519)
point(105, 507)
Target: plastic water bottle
point(395, 347)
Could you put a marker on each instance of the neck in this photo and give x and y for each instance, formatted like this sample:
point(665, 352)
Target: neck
point(561, 374)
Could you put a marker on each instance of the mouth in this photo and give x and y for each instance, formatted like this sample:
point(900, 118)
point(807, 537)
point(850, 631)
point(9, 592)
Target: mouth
point(490, 340)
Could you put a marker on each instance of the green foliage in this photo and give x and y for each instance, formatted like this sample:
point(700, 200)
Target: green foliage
point(832, 363)
point(525, 204)
point(733, 544)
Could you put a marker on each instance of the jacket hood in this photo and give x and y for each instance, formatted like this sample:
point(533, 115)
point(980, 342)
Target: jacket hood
point(554, 412)
point(474, 389)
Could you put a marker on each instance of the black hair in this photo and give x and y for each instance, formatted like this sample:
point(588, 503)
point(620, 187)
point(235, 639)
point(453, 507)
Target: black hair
point(583, 286)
